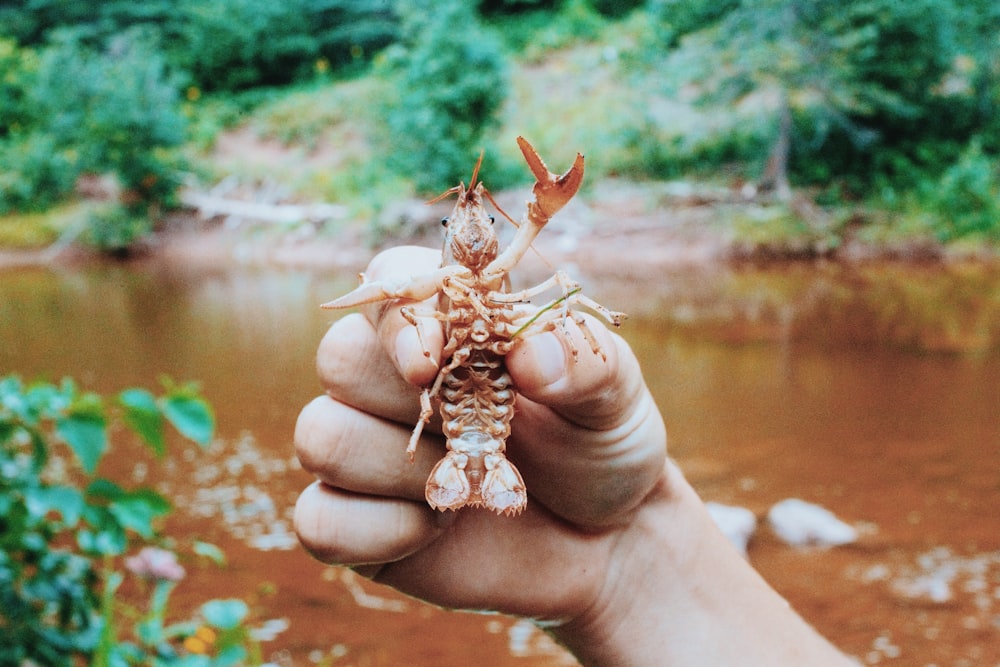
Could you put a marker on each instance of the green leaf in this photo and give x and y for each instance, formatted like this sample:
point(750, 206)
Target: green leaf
point(191, 416)
point(86, 436)
point(210, 551)
point(108, 541)
point(158, 610)
point(231, 656)
point(104, 489)
point(136, 510)
point(180, 629)
point(65, 500)
point(224, 614)
point(142, 415)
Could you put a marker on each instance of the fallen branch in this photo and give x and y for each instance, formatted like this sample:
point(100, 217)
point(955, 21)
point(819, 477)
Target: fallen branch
point(210, 206)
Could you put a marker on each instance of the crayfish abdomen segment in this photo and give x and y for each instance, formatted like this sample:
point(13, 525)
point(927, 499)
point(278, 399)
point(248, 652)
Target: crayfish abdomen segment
point(477, 404)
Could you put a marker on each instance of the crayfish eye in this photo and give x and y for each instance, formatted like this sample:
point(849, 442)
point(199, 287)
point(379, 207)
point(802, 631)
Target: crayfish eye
point(492, 220)
point(444, 222)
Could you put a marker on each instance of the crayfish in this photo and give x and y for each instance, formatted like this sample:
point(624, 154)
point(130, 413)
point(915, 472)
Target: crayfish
point(482, 321)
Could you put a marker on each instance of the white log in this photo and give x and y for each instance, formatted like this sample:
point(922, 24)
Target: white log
point(210, 206)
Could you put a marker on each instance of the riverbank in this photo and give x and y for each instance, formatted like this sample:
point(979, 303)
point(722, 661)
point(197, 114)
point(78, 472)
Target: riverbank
point(620, 228)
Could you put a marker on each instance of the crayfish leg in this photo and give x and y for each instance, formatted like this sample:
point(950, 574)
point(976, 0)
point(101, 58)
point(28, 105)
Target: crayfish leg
point(425, 415)
point(413, 316)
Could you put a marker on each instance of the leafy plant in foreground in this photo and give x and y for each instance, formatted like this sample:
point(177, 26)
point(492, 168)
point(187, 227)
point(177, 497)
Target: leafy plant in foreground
point(64, 533)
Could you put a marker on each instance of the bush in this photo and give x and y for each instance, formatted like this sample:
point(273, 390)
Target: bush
point(116, 228)
point(35, 172)
point(19, 67)
point(450, 84)
point(64, 536)
point(118, 109)
point(965, 200)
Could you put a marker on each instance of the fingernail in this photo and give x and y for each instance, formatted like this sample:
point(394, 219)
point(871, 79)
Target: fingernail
point(407, 347)
point(549, 358)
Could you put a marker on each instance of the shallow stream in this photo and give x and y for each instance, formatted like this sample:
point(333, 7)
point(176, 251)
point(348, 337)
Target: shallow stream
point(873, 391)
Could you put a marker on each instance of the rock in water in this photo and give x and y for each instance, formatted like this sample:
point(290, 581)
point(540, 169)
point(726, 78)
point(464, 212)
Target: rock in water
point(799, 524)
point(736, 523)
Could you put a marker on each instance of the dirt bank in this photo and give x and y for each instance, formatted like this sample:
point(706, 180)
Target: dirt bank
point(619, 229)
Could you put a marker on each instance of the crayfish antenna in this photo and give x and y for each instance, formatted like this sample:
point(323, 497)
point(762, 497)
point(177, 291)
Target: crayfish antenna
point(475, 171)
point(458, 189)
point(502, 212)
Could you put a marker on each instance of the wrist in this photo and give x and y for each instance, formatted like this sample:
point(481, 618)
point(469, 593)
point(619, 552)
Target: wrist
point(677, 593)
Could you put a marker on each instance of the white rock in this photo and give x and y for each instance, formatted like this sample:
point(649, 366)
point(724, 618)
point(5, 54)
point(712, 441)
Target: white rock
point(736, 523)
point(799, 523)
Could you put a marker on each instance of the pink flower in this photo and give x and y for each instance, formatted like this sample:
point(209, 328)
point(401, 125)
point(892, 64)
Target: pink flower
point(155, 563)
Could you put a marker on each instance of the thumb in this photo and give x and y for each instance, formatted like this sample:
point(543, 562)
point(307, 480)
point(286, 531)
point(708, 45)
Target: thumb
point(588, 439)
point(560, 369)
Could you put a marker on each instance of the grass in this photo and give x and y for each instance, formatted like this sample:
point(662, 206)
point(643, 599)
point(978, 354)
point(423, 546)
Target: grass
point(30, 231)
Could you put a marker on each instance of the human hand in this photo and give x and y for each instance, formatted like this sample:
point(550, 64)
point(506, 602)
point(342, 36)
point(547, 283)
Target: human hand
point(587, 438)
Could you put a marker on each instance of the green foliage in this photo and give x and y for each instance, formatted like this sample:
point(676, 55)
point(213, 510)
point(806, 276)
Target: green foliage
point(965, 201)
point(115, 228)
point(495, 7)
point(18, 67)
point(35, 172)
point(63, 535)
point(616, 8)
point(118, 109)
point(533, 35)
point(449, 76)
point(223, 45)
point(870, 82)
point(677, 18)
point(71, 110)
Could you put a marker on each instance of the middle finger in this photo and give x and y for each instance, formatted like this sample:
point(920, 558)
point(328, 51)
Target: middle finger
point(352, 450)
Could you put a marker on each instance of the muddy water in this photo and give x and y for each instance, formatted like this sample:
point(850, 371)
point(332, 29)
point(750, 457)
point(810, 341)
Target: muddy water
point(874, 391)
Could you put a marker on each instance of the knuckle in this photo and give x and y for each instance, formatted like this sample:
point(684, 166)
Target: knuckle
point(347, 343)
point(320, 434)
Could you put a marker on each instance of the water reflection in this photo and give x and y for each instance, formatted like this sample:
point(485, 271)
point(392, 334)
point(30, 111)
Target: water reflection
point(870, 390)
point(932, 308)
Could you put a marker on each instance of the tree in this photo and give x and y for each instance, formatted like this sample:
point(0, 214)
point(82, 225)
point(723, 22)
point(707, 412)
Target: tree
point(449, 78)
point(841, 79)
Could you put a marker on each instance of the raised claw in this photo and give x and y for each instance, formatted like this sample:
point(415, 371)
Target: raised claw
point(551, 192)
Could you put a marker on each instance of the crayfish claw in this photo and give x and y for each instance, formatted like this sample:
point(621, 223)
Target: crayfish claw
point(535, 162)
point(551, 192)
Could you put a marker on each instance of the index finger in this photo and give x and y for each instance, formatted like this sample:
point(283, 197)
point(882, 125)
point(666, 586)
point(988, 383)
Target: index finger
point(403, 344)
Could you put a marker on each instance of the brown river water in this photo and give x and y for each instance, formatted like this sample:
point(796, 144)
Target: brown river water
point(873, 391)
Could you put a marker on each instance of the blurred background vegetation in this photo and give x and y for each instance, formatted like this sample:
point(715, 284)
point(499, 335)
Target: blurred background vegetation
point(883, 113)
